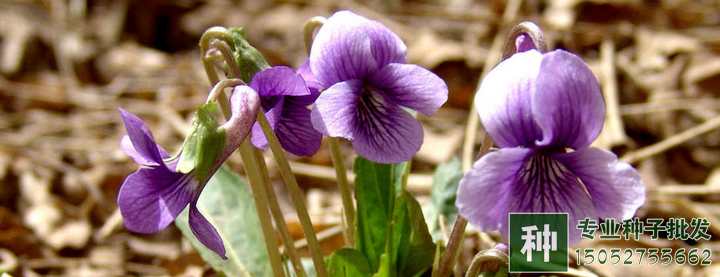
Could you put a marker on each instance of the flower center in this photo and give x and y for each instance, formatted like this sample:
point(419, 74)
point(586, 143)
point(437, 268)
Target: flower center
point(547, 184)
point(268, 102)
point(374, 114)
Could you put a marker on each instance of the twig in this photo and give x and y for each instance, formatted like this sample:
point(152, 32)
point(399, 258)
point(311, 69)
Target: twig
point(614, 132)
point(671, 104)
point(685, 189)
point(674, 140)
point(111, 223)
point(417, 182)
point(321, 236)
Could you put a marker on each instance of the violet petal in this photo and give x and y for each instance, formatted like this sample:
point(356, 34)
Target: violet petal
point(384, 132)
point(411, 86)
point(295, 131)
point(129, 149)
point(334, 111)
point(615, 187)
point(278, 81)
point(523, 43)
point(244, 104)
point(485, 190)
point(312, 83)
point(204, 231)
point(504, 100)
point(273, 114)
point(144, 149)
point(151, 198)
point(349, 46)
point(545, 184)
point(568, 105)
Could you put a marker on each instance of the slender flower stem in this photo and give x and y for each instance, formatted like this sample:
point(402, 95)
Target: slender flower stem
point(279, 218)
point(309, 30)
point(458, 231)
point(348, 207)
point(494, 56)
point(218, 38)
point(253, 166)
point(296, 195)
point(206, 44)
point(345, 192)
point(220, 87)
point(225, 50)
point(482, 258)
point(532, 31)
point(406, 175)
point(253, 171)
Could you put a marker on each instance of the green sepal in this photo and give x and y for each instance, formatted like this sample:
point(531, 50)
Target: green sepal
point(248, 58)
point(204, 145)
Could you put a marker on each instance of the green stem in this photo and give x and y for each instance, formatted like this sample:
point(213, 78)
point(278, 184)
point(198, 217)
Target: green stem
point(253, 171)
point(344, 187)
point(296, 195)
point(278, 216)
point(406, 175)
point(212, 76)
point(250, 161)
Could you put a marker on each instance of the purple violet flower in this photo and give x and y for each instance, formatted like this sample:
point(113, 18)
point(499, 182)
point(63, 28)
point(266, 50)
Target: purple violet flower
point(285, 99)
point(544, 111)
point(367, 85)
point(153, 196)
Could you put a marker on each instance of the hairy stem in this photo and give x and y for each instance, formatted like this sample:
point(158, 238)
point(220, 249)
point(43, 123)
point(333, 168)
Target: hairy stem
point(257, 185)
point(296, 194)
point(250, 160)
point(457, 234)
point(279, 218)
point(345, 192)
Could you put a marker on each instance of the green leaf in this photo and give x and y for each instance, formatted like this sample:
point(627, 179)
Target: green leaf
point(347, 262)
point(413, 246)
point(226, 201)
point(204, 144)
point(392, 232)
point(248, 58)
point(444, 192)
point(375, 186)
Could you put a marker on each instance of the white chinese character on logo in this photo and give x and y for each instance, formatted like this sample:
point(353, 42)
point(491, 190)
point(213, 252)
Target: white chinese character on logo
point(536, 240)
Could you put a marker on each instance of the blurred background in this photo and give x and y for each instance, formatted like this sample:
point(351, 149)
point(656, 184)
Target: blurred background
point(66, 66)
